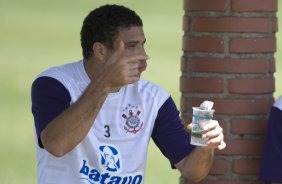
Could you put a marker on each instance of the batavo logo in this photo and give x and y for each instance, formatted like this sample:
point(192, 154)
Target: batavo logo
point(111, 166)
point(93, 176)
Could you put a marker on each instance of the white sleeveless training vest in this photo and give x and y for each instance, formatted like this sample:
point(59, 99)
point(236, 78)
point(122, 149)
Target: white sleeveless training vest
point(115, 149)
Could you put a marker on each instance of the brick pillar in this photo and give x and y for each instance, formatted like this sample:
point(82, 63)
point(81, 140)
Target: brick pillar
point(228, 58)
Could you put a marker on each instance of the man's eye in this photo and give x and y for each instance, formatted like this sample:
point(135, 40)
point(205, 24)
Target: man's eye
point(131, 45)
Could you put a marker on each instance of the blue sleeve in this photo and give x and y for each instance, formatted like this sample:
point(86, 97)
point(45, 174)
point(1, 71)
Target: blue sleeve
point(271, 163)
point(49, 98)
point(169, 133)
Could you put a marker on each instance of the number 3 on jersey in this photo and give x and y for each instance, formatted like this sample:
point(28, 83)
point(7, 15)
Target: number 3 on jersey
point(107, 131)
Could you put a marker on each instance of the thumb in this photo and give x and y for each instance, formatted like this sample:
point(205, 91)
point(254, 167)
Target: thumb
point(189, 127)
point(118, 52)
point(222, 145)
point(118, 47)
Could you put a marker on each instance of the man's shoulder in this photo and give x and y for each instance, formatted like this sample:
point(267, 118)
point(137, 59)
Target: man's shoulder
point(59, 69)
point(66, 74)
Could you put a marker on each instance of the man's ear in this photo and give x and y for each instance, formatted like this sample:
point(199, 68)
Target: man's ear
point(99, 50)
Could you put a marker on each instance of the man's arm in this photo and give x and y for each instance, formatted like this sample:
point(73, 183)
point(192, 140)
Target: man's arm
point(174, 142)
point(196, 165)
point(66, 130)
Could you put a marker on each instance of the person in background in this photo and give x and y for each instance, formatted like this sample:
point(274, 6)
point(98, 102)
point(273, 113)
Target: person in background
point(271, 163)
point(94, 117)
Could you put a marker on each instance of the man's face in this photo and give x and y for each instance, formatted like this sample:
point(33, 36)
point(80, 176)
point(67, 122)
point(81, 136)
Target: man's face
point(134, 40)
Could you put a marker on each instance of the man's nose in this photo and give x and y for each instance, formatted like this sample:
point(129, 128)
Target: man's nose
point(143, 52)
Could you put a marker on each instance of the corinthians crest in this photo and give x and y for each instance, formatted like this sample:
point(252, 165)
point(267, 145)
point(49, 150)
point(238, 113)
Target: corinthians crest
point(133, 123)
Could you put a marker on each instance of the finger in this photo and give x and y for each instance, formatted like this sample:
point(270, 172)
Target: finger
point(119, 45)
point(142, 66)
point(118, 52)
point(133, 65)
point(133, 73)
point(213, 133)
point(211, 125)
point(222, 145)
point(131, 69)
point(137, 58)
point(189, 127)
point(215, 142)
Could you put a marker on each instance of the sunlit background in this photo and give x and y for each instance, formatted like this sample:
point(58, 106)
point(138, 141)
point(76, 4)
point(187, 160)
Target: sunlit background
point(37, 34)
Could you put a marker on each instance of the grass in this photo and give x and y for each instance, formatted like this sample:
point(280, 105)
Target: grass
point(38, 34)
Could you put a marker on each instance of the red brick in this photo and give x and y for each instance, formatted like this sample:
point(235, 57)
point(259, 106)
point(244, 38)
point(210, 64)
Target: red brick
point(183, 104)
point(219, 167)
point(242, 147)
point(183, 65)
point(204, 5)
point(222, 123)
point(272, 66)
point(203, 44)
point(248, 126)
point(252, 45)
point(198, 84)
point(246, 166)
point(251, 86)
point(185, 25)
point(224, 65)
point(218, 181)
point(274, 25)
point(231, 24)
point(234, 106)
point(254, 5)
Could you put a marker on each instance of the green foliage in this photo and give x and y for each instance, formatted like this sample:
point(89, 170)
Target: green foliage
point(37, 34)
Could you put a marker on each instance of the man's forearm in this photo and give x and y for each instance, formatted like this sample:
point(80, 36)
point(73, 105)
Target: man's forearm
point(197, 164)
point(68, 129)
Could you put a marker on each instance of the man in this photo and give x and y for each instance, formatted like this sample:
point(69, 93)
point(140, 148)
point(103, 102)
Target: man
point(94, 118)
point(271, 168)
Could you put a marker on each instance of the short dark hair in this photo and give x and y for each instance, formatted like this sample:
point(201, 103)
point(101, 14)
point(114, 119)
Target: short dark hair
point(102, 25)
